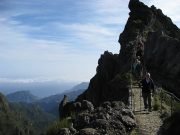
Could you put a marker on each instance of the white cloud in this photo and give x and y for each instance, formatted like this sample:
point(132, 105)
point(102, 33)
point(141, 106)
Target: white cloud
point(112, 11)
point(92, 36)
point(75, 50)
point(90, 29)
point(37, 57)
point(29, 80)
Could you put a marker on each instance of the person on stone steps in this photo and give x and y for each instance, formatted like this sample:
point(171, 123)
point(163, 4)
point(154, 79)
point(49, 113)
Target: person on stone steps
point(138, 68)
point(147, 89)
point(140, 51)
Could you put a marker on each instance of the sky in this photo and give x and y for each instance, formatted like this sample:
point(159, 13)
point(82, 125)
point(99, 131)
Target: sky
point(62, 40)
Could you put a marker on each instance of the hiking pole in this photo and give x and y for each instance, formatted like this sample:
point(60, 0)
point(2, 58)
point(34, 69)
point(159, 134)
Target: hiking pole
point(161, 99)
point(140, 100)
point(132, 94)
point(171, 105)
point(131, 99)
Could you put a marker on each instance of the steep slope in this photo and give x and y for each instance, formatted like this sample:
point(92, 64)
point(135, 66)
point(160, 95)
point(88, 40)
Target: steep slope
point(10, 122)
point(110, 82)
point(21, 96)
point(35, 115)
point(22, 118)
point(4, 106)
point(81, 86)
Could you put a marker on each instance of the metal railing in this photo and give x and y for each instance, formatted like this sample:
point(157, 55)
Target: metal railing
point(168, 101)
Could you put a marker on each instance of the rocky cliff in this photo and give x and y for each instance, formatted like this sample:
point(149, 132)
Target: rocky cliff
point(160, 40)
point(110, 82)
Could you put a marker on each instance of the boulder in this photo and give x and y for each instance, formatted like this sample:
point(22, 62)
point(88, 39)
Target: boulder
point(87, 105)
point(109, 118)
point(64, 131)
point(88, 131)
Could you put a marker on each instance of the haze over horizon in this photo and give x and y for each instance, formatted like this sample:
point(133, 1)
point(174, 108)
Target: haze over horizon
point(44, 41)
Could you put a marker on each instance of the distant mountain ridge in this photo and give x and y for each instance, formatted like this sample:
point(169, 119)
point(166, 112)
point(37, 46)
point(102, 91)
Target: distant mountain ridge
point(39, 89)
point(21, 96)
point(50, 104)
point(72, 93)
point(83, 85)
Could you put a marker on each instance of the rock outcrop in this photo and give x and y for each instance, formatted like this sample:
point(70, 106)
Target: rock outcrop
point(109, 118)
point(108, 84)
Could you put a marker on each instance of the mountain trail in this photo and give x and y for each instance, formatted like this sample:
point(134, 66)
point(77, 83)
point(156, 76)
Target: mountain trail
point(148, 123)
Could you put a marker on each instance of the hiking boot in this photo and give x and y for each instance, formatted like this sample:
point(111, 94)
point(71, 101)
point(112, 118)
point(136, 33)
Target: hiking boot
point(150, 110)
point(145, 108)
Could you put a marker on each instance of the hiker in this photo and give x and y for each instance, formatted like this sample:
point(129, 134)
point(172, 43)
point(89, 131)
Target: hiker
point(140, 51)
point(147, 90)
point(137, 67)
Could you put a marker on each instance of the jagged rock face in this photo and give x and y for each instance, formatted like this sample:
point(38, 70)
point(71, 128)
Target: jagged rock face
point(161, 39)
point(162, 55)
point(139, 19)
point(107, 84)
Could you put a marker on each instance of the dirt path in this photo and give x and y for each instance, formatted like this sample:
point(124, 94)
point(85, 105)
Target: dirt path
point(148, 122)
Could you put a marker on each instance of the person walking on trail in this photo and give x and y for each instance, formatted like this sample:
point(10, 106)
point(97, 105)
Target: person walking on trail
point(137, 68)
point(147, 90)
point(140, 51)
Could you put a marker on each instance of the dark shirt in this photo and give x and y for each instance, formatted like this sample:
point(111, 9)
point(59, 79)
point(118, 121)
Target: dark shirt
point(139, 53)
point(147, 87)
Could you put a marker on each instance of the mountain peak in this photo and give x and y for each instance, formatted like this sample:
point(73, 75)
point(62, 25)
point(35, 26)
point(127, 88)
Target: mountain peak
point(21, 96)
point(81, 86)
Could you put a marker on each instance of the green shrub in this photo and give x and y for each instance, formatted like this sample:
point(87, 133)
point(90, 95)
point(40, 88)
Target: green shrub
point(156, 105)
point(54, 129)
point(176, 106)
point(135, 132)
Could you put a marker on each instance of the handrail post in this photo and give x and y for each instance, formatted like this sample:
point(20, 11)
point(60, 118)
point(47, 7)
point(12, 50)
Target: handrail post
point(131, 88)
point(140, 99)
point(161, 99)
point(171, 105)
point(131, 99)
point(134, 104)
